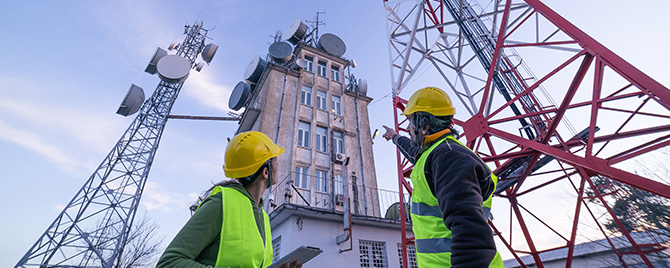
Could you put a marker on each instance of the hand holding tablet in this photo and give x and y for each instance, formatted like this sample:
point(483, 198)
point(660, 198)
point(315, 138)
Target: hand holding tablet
point(301, 255)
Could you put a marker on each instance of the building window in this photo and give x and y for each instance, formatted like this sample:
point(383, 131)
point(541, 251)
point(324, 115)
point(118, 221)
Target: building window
point(411, 256)
point(373, 253)
point(335, 105)
point(322, 68)
point(337, 181)
point(321, 97)
point(276, 247)
point(301, 177)
point(303, 134)
point(310, 64)
point(306, 95)
point(338, 142)
point(321, 139)
point(321, 182)
point(335, 73)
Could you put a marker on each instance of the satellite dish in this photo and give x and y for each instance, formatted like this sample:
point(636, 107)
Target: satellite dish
point(132, 101)
point(240, 95)
point(173, 45)
point(173, 68)
point(362, 87)
point(199, 66)
point(301, 62)
point(208, 52)
point(332, 44)
point(254, 70)
point(296, 32)
point(160, 53)
point(280, 51)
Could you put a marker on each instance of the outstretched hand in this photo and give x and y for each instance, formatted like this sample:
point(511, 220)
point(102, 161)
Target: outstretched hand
point(388, 135)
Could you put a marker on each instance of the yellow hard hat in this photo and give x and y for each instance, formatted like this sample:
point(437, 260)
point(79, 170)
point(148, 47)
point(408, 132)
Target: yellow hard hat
point(247, 152)
point(431, 100)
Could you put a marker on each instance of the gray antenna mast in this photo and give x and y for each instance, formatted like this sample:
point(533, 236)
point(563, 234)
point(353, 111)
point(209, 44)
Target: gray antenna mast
point(313, 36)
point(93, 228)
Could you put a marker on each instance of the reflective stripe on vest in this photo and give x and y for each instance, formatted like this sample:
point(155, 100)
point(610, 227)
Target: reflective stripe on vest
point(433, 245)
point(241, 244)
point(432, 237)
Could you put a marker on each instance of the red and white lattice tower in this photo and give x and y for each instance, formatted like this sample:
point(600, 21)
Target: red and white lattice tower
point(517, 71)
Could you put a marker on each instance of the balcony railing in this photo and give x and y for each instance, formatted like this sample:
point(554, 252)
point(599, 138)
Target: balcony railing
point(328, 194)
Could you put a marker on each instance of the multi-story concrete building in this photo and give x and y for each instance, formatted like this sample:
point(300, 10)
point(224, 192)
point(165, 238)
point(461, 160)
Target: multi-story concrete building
point(320, 122)
point(327, 196)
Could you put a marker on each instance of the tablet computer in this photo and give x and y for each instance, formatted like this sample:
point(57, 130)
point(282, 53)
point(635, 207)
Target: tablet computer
point(303, 253)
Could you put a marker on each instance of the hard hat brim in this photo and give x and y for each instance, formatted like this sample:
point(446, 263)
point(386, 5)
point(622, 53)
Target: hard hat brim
point(249, 161)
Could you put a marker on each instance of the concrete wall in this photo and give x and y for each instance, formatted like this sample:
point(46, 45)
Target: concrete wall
point(276, 93)
point(277, 96)
point(297, 231)
point(279, 92)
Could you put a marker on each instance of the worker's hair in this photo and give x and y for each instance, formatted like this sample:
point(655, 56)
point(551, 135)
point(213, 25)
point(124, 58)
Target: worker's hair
point(436, 123)
point(245, 181)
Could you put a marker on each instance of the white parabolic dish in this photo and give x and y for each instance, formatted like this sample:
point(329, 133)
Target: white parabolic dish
point(173, 68)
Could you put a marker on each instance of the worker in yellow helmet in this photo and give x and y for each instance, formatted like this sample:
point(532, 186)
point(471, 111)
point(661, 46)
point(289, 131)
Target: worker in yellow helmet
point(452, 187)
point(229, 227)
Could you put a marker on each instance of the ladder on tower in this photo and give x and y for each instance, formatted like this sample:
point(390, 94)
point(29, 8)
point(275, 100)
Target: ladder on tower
point(506, 78)
point(423, 38)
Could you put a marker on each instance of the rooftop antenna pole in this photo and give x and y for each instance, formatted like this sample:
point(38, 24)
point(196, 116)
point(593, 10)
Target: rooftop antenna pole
point(316, 24)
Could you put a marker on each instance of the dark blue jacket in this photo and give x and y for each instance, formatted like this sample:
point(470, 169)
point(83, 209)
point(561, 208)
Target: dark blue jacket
point(460, 180)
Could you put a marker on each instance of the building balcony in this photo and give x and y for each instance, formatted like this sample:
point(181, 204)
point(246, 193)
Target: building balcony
point(329, 195)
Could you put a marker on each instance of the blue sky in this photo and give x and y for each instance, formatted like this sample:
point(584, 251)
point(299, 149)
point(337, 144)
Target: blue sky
point(66, 65)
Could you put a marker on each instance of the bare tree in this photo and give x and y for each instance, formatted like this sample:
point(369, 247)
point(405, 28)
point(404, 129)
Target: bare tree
point(143, 246)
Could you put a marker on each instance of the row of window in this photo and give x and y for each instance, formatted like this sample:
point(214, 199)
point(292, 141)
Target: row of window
point(321, 143)
point(303, 180)
point(321, 96)
point(372, 253)
point(322, 69)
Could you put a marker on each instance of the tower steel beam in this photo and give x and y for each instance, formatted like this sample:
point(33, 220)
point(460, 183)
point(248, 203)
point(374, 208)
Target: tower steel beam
point(530, 55)
point(93, 228)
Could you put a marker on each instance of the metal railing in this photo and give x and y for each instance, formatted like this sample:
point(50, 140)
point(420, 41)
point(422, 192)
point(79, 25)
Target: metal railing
point(328, 194)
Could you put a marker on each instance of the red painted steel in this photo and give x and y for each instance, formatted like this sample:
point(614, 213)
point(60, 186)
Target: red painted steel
point(403, 185)
point(577, 158)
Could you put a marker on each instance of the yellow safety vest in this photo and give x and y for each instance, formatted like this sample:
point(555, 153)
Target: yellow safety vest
point(432, 237)
point(241, 244)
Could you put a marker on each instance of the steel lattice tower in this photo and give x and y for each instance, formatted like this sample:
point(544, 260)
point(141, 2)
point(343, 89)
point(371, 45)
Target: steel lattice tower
point(92, 229)
point(505, 61)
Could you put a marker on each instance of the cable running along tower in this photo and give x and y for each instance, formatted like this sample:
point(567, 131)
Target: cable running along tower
point(92, 229)
point(517, 71)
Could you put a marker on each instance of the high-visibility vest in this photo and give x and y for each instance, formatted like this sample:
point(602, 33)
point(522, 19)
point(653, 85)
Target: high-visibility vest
point(432, 237)
point(241, 244)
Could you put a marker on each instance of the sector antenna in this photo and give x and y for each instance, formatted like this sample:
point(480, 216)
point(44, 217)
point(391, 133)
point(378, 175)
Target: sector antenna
point(93, 228)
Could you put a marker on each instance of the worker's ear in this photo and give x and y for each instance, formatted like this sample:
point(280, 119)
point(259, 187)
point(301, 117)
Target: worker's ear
point(266, 172)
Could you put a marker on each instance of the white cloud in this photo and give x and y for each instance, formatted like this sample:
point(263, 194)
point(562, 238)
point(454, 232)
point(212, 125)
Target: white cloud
point(155, 197)
point(203, 89)
point(59, 207)
point(65, 132)
point(137, 25)
point(36, 143)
